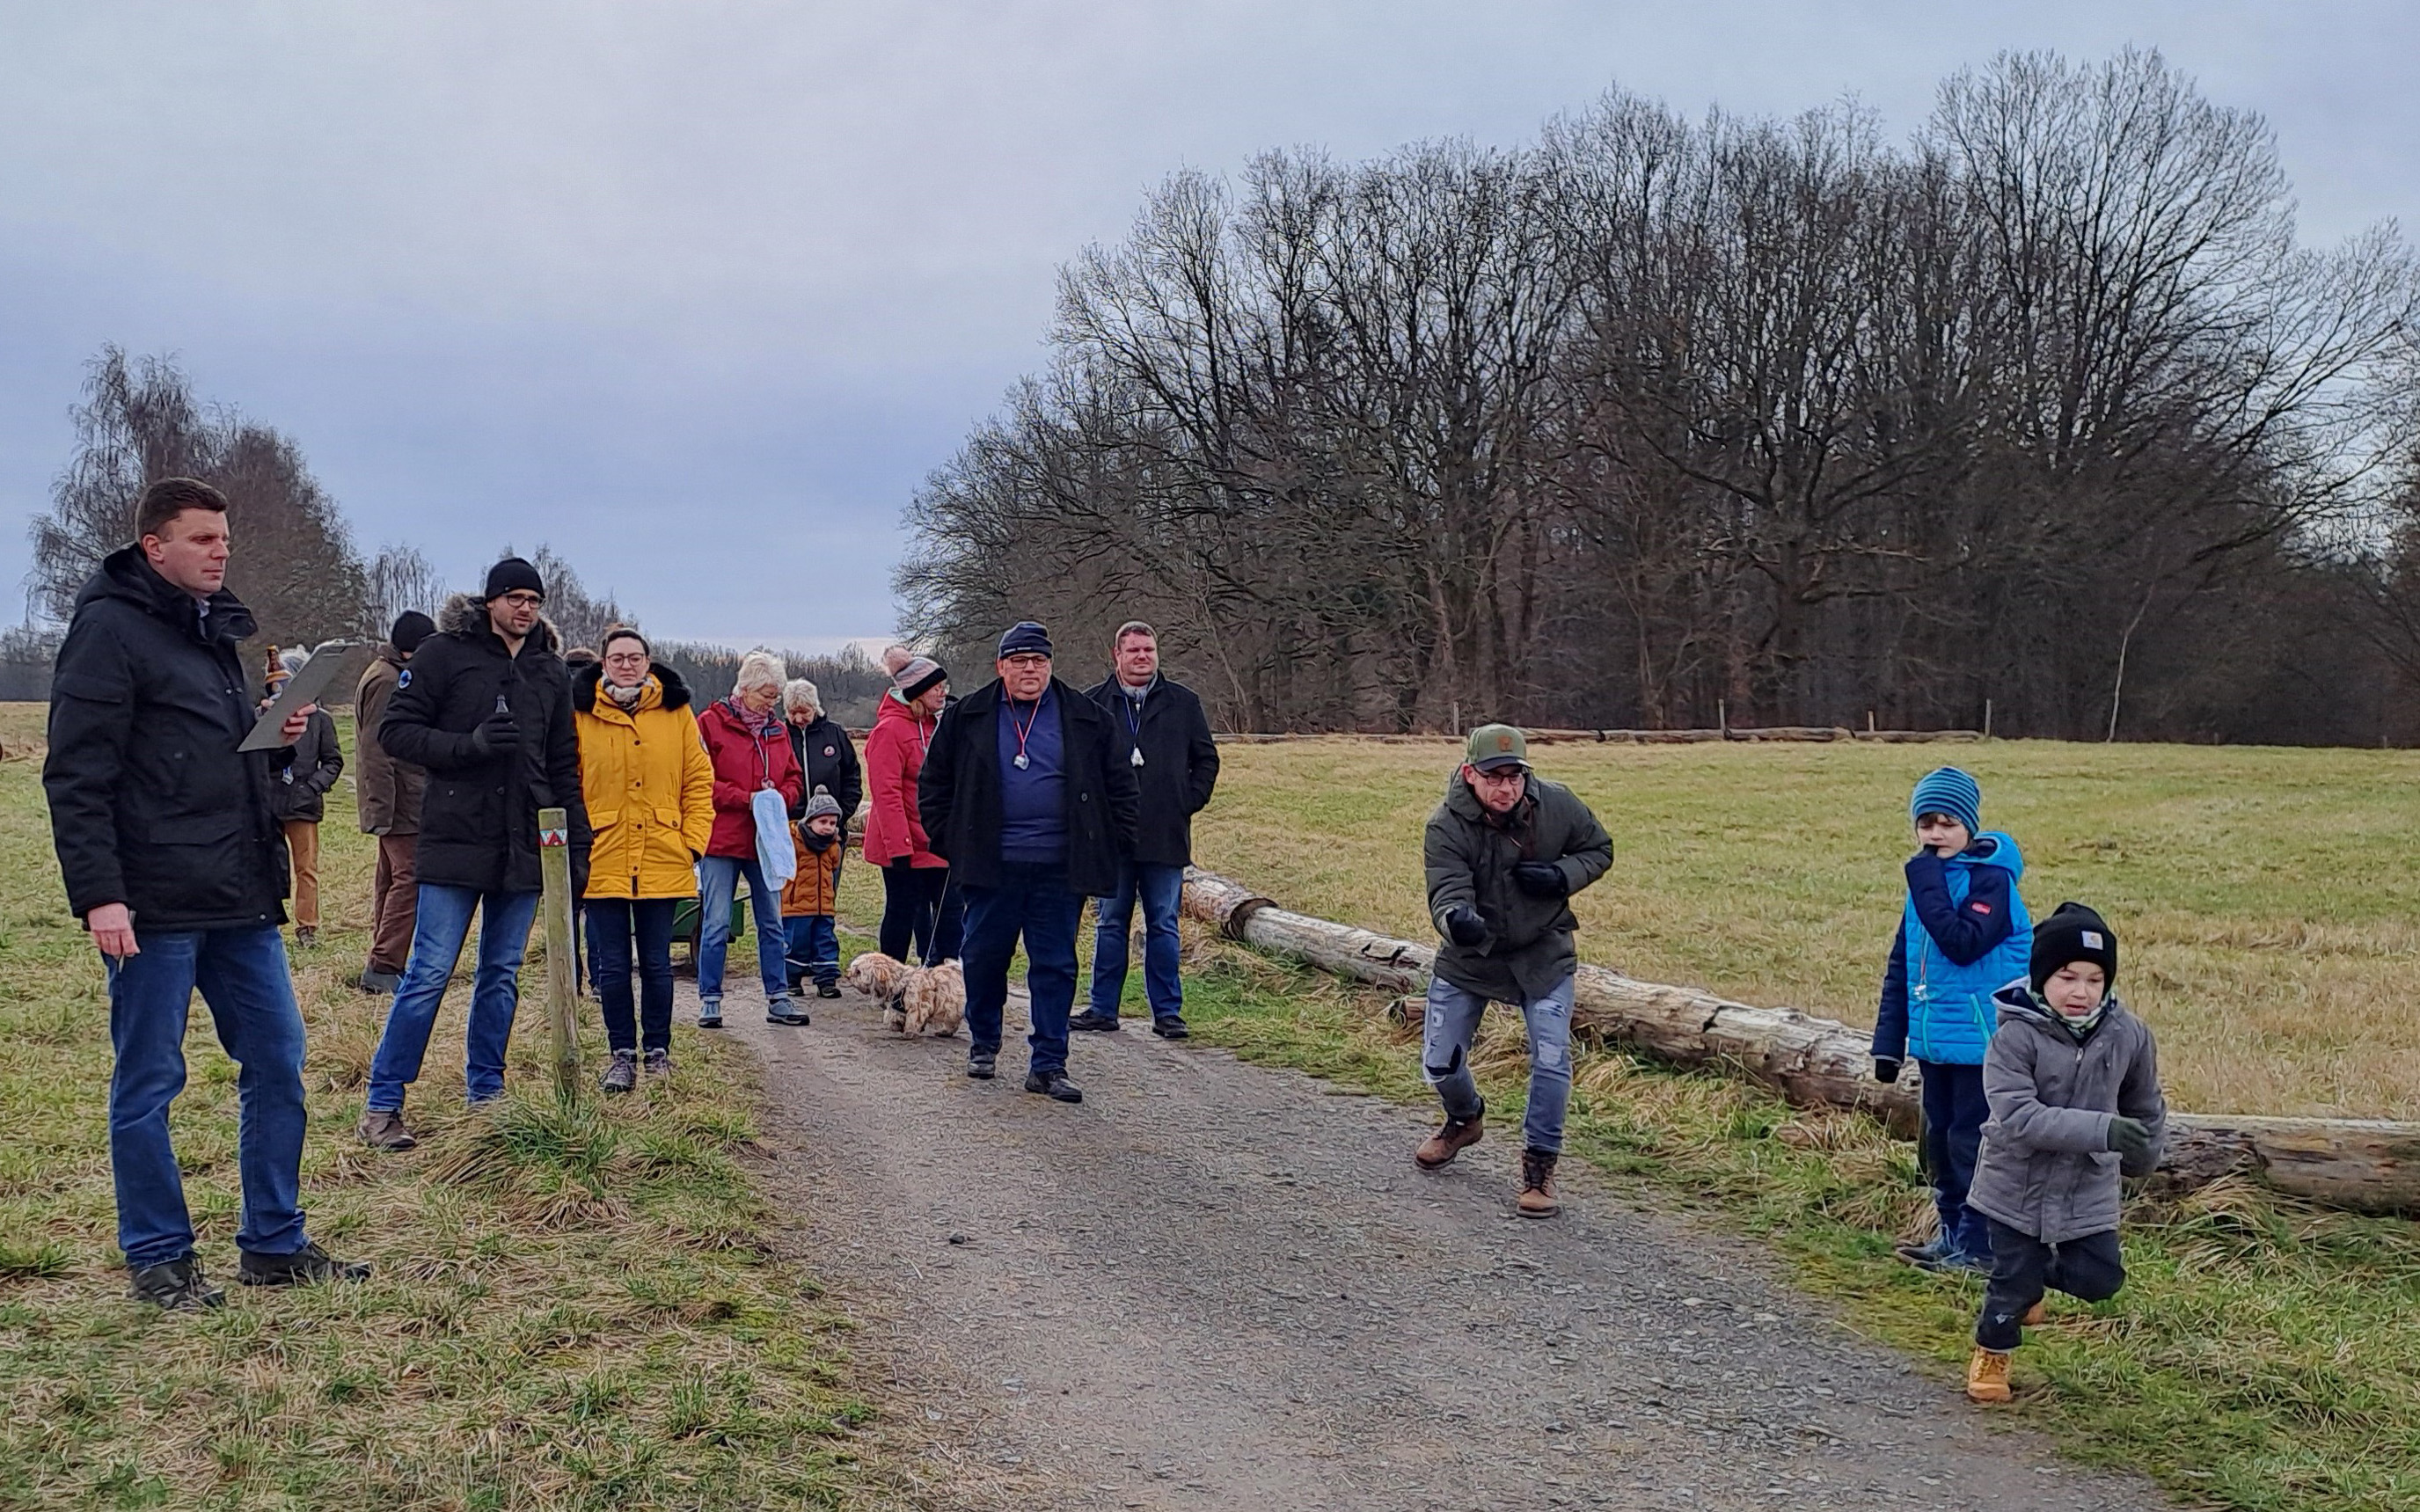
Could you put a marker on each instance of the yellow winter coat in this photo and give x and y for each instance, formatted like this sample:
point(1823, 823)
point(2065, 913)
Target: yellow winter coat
point(648, 784)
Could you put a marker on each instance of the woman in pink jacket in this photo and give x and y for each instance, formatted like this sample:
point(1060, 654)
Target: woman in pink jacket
point(917, 908)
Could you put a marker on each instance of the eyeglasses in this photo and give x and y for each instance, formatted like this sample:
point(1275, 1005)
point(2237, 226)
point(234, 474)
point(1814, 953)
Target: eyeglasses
point(1502, 776)
point(627, 659)
point(1026, 659)
point(524, 600)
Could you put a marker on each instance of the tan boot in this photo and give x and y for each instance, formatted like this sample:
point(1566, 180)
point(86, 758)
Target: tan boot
point(382, 1129)
point(1439, 1148)
point(1987, 1375)
point(2036, 1315)
point(1538, 1185)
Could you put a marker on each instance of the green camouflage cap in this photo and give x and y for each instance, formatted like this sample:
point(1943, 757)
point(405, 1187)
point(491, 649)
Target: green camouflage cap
point(1493, 747)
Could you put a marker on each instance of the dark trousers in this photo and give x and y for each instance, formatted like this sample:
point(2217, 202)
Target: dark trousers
point(395, 898)
point(813, 951)
point(1954, 1113)
point(613, 923)
point(1035, 903)
point(2023, 1266)
point(922, 916)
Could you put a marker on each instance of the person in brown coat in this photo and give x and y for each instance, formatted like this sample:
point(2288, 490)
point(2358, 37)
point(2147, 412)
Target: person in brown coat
point(390, 806)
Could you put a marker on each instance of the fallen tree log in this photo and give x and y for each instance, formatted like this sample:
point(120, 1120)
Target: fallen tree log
point(1742, 735)
point(2362, 1165)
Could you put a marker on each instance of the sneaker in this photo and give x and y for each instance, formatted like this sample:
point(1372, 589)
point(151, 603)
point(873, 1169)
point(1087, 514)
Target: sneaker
point(1957, 1262)
point(307, 936)
point(1171, 1027)
point(1538, 1198)
point(781, 1010)
point(1987, 1375)
point(384, 983)
point(823, 989)
point(660, 1062)
point(1926, 1255)
point(623, 1073)
point(709, 1015)
point(1053, 1085)
point(175, 1287)
point(305, 1265)
point(383, 1129)
point(981, 1064)
point(1439, 1148)
point(1094, 1020)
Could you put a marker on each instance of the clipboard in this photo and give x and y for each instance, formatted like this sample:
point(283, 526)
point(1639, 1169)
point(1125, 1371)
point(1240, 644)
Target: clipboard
point(318, 675)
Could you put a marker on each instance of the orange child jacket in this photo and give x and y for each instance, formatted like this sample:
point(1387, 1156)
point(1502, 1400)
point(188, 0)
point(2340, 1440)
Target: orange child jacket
point(816, 887)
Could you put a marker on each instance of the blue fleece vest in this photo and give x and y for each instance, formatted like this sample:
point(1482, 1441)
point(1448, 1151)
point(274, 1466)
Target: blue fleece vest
point(1949, 1010)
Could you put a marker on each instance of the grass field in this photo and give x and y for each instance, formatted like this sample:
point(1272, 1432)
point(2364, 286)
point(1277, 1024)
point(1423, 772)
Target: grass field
point(2266, 899)
point(571, 1310)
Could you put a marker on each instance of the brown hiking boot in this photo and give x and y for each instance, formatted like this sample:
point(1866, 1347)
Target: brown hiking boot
point(2036, 1315)
point(1987, 1375)
point(382, 1129)
point(1439, 1148)
point(1538, 1185)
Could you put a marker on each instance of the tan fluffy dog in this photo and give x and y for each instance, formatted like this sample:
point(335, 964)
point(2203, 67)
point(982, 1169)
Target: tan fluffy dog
point(936, 999)
point(883, 980)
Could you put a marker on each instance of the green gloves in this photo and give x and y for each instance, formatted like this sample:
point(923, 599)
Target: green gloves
point(2129, 1137)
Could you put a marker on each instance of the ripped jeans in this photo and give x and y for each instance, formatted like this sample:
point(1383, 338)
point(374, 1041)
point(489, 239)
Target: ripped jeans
point(1444, 1057)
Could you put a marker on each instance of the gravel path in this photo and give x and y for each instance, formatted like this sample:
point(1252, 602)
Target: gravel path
point(1214, 1284)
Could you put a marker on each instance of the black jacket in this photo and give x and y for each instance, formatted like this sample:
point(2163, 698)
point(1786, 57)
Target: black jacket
point(151, 803)
point(478, 816)
point(302, 791)
point(1180, 763)
point(958, 795)
point(830, 760)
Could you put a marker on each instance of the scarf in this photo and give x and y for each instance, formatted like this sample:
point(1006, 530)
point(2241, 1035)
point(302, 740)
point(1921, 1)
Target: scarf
point(626, 699)
point(760, 725)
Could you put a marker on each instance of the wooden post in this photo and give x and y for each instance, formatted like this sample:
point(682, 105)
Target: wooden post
point(1723, 718)
point(1870, 720)
point(1987, 718)
point(561, 965)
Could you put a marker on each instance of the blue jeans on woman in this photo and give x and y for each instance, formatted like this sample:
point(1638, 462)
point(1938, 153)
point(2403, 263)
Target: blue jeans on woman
point(1160, 888)
point(437, 935)
point(612, 924)
point(241, 974)
point(719, 878)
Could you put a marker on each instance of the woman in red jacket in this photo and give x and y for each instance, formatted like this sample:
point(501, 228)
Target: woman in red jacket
point(749, 747)
point(917, 910)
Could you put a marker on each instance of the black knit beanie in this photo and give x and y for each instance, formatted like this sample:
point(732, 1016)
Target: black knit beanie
point(513, 575)
point(2074, 932)
point(411, 629)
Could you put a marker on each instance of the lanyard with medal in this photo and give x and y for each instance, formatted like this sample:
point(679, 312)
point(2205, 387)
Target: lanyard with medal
point(1134, 728)
point(1022, 730)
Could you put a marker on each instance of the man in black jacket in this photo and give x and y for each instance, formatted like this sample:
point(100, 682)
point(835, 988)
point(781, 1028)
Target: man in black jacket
point(173, 858)
point(485, 708)
point(1025, 798)
point(1160, 732)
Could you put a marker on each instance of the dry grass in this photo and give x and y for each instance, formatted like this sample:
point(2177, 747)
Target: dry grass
point(2266, 896)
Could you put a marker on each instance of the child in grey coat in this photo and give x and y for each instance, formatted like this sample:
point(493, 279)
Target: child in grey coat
point(2073, 1083)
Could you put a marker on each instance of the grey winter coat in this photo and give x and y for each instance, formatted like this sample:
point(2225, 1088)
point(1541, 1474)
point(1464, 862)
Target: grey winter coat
point(1470, 855)
point(2046, 1168)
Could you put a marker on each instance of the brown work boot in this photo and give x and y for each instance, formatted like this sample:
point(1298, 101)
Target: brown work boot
point(383, 1129)
point(2036, 1315)
point(1987, 1376)
point(1439, 1148)
point(1538, 1185)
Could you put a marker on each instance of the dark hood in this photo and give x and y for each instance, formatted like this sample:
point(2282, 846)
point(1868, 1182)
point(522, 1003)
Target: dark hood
point(584, 681)
point(125, 574)
point(465, 616)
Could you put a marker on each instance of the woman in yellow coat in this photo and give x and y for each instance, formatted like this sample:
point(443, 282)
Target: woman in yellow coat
point(650, 792)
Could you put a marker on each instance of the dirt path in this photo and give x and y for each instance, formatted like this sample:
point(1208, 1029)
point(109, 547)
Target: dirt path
point(1219, 1285)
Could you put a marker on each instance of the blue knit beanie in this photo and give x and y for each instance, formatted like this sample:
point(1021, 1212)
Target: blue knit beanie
point(1952, 792)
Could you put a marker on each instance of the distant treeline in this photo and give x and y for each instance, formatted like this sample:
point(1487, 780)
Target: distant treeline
point(1659, 419)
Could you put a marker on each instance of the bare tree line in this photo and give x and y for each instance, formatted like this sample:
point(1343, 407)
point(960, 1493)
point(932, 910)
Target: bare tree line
point(2046, 407)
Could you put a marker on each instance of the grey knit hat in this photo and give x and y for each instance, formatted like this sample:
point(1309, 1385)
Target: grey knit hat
point(822, 803)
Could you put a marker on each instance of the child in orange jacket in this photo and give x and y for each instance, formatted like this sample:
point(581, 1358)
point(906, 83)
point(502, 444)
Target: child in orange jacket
point(810, 899)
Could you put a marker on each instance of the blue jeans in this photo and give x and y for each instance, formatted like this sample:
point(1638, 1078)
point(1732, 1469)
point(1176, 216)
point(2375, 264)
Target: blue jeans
point(243, 977)
point(1161, 887)
point(1033, 903)
point(812, 950)
point(1954, 1113)
point(612, 924)
point(719, 881)
point(437, 936)
point(1444, 1057)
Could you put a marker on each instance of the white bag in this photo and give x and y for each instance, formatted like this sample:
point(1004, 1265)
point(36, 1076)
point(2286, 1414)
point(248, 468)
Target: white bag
point(775, 853)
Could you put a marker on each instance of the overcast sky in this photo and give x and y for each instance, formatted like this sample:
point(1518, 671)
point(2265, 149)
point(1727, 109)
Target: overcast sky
point(697, 292)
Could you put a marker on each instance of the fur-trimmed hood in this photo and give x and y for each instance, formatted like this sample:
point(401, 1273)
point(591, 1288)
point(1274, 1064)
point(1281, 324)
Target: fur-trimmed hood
point(584, 681)
point(465, 615)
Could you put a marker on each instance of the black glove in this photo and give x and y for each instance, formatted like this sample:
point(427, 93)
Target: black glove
point(1540, 879)
point(499, 734)
point(2129, 1137)
point(1885, 1069)
point(1463, 926)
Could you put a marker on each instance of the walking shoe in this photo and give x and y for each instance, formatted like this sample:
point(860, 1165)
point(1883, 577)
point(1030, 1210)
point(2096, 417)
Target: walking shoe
point(375, 980)
point(623, 1073)
point(825, 989)
point(305, 1265)
point(1171, 1027)
point(781, 1010)
point(709, 1015)
point(1094, 1020)
point(1987, 1375)
point(307, 936)
point(175, 1287)
point(1439, 1148)
point(981, 1064)
point(1053, 1085)
point(1926, 1255)
point(383, 1129)
point(660, 1062)
point(1538, 1185)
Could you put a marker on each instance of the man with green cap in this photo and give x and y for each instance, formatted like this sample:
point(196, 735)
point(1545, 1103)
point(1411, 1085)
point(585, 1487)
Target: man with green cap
point(1505, 851)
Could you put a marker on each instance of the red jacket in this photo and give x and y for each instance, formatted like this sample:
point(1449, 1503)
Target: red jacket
point(742, 765)
point(894, 758)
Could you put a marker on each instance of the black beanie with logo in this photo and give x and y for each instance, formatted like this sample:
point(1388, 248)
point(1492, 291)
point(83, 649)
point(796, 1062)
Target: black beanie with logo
point(2074, 932)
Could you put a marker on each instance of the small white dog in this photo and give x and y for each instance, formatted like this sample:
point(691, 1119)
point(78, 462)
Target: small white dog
point(934, 1000)
point(882, 978)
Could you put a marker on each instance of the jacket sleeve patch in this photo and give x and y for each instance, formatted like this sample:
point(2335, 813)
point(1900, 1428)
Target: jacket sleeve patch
point(1985, 909)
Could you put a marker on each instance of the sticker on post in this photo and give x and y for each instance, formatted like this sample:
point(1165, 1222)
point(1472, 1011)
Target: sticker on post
point(548, 839)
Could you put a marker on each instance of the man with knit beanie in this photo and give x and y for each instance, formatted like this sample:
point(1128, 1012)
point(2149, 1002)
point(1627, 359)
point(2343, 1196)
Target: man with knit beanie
point(2072, 1078)
point(388, 794)
point(1963, 933)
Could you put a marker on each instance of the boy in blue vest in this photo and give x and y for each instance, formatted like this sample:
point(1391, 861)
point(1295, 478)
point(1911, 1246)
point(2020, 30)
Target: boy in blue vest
point(1963, 933)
